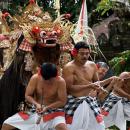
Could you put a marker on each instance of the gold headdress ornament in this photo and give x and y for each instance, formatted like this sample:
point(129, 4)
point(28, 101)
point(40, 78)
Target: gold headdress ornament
point(65, 27)
point(4, 31)
point(58, 30)
point(61, 26)
point(32, 16)
point(4, 28)
point(31, 12)
point(38, 24)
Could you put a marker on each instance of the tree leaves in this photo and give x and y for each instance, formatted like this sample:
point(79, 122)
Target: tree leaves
point(104, 6)
point(121, 62)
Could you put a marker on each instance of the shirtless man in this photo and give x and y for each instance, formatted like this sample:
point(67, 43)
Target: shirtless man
point(80, 72)
point(126, 101)
point(116, 107)
point(47, 92)
point(108, 85)
point(79, 75)
point(121, 89)
point(102, 69)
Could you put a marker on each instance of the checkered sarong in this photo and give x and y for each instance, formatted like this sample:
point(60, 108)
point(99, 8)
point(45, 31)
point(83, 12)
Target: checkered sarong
point(30, 108)
point(48, 115)
point(125, 100)
point(50, 111)
point(110, 102)
point(74, 102)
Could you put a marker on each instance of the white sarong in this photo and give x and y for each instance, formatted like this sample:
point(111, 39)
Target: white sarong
point(84, 119)
point(30, 124)
point(126, 107)
point(116, 117)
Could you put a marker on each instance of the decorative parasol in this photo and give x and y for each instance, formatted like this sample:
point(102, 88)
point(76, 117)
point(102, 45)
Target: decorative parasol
point(82, 32)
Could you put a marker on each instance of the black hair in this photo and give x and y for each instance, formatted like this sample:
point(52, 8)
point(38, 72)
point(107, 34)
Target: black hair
point(48, 71)
point(81, 44)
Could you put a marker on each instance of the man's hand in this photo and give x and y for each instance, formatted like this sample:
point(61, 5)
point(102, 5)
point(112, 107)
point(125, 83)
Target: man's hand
point(44, 109)
point(38, 108)
point(102, 95)
point(93, 93)
point(117, 79)
point(95, 86)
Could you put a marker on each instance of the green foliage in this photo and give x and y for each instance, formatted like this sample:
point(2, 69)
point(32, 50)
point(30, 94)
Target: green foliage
point(121, 62)
point(15, 5)
point(66, 6)
point(104, 6)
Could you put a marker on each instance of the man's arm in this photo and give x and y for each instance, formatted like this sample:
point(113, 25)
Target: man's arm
point(30, 90)
point(118, 88)
point(69, 78)
point(107, 81)
point(95, 76)
point(104, 92)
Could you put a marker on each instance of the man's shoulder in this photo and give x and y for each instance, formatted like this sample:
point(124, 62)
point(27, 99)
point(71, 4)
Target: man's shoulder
point(68, 68)
point(69, 65)
point(60, 80)
point(35, 76)
point(90, 62)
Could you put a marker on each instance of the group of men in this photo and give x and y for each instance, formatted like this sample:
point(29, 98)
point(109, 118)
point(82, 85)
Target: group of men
point(57, 99)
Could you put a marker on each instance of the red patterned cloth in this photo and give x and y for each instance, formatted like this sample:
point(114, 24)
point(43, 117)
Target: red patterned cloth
point(23, 115)
point(25, 46)
point(52, 115)
point(66, 46)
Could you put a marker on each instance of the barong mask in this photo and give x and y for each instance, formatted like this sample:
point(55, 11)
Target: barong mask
point(45, 38)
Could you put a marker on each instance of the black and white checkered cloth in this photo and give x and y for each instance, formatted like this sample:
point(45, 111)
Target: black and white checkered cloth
point(110, 102)
point(74, 102)
point(49, 111)
point(32, 109)
point(125, 100)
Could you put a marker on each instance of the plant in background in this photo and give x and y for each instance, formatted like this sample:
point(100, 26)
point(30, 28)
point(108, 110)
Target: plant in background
point(104, 6)
point(121, 62)
point(48, 5)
